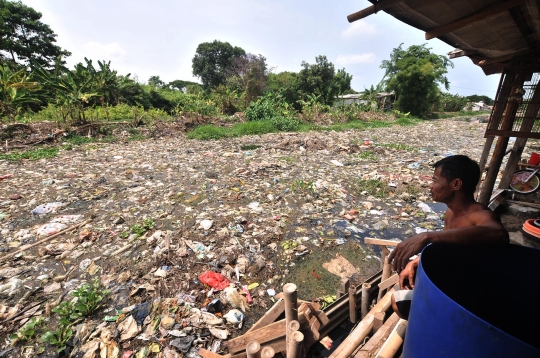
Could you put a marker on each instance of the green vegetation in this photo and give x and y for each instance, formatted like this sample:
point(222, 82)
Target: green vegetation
point(88, 298)
point(414, 74)
point(398, 146)
point(140, 229)
point(373, 187)
point(33, 154)
point(302, 186)
point(28, 331)
point(368, 155)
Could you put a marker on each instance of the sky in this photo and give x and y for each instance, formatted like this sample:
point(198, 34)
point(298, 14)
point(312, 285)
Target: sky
point(160, 37)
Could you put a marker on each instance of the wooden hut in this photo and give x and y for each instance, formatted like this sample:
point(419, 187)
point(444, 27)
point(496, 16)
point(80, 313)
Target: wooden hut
point(500, 37)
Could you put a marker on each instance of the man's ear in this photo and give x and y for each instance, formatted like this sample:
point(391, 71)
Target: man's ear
point(456, 184)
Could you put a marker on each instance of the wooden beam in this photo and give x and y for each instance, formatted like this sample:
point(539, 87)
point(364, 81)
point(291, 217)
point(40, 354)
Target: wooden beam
point(460, 53)
point(471, 19)
point(490, 61)
point(377, 340)
point(389, 282)
point(270, 316)
point(372, 241)
point(381, 5)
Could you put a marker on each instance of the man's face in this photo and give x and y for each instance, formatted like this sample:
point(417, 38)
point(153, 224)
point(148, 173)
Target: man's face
point(441, 189)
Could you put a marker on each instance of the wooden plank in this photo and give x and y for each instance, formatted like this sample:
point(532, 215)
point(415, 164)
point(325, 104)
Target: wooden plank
point(471, 19)
point(389, 282)
point(378, 339)
point(373, 241)
point(394, 341)
point(267, 333)
point(263, 335)
point(270, 316)
point(370, 10)
point(207, 354)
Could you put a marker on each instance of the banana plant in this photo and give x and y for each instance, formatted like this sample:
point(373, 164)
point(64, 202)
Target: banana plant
point(16, 91)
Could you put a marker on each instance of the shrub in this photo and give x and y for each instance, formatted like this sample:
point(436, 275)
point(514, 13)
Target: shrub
point(253, 128)
point(285, 124)
point(263, 109)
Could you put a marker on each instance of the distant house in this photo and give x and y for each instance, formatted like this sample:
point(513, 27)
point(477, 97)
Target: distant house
point(477, 106)
point(348, 99)
point(385, 100)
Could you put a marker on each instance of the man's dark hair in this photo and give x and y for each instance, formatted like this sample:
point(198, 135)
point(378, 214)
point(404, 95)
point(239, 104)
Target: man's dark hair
point(462, 167)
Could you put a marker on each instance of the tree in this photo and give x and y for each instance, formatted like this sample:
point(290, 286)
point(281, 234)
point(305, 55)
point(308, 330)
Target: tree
point(285, 85)
point(320, 80)
point(156, 82)
point(477, 98)
point(213, 60)
point(181, 85)
point(247, 74)
point(23, 37)
point(414, 75)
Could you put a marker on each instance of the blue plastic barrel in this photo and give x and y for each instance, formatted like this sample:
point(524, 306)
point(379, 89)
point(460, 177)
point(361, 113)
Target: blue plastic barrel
point(475, 302)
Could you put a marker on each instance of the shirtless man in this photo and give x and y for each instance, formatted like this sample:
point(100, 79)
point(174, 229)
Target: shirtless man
point(466, 222)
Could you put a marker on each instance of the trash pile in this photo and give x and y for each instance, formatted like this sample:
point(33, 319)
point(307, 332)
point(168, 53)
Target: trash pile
point(165, 246)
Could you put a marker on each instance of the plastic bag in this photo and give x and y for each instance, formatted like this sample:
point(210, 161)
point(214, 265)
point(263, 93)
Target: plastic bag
point(214, 280)
point(46, 208)
point(51, 229)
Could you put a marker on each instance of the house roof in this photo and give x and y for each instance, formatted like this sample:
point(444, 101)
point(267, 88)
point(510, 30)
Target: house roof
point(492, 33)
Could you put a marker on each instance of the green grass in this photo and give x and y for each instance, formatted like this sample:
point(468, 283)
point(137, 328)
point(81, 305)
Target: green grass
point(34, 154)
point(398, 146)
point(408, 121)
point(373, 187)
point(368, 155)
point(208, 132)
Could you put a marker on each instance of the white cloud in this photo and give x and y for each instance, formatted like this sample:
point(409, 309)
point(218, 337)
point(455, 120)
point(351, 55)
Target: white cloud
point(345, 60)
point(358, 28)
point(98, 51)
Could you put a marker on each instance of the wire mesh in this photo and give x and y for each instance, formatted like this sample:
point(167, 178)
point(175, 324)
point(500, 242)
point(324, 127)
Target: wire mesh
point(516, 108)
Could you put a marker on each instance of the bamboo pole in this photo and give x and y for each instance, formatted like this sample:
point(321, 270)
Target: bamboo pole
point(267, 352)
point(253, 350)
point(364, 306)
point(387, 270)
point(295, 345)
point(394, 341)
point(290, 295)
point(355, 338)
point(353, 312)
point(45, 239)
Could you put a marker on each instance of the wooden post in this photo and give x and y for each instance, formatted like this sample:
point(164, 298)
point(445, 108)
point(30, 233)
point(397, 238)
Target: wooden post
point(295, 345)
point(253, 350)
point(343, 287)
point(353, 313)
point(483, 160)
point(364, 308)
point(378, 321)
point(267, 352)
point(528, 122)
point(290, 295)
point(509, 94)
point(387, 271)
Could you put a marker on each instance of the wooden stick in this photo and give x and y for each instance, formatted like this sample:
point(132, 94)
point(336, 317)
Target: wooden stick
point(389, 282)
point(394, 341)
point(373, 241)
point(295, 345)
point(45, 239)
point(381, 5)
point(471, 19)
point(387, 270)
point(353, 313)
point(267, 352)
point(270, 316)
point(364, 307)
point(378, 339)
point(343, 287)
point(347, 347)
point(253, 349)
point(291, 305)
point(355, 338)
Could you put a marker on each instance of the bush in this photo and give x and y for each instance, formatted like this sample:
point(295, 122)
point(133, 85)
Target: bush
point(253, 128)
point(207, 132)
point(285, 124)
point(263, 109)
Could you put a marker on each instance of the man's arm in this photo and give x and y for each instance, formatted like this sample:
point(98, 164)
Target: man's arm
point(484, 229)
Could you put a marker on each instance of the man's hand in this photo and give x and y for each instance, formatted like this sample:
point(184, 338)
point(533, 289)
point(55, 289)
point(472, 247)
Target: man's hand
point(406, 277)
point(410, 247)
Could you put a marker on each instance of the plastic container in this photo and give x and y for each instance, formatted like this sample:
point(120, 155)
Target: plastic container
point(534, 159)
point(475, 302)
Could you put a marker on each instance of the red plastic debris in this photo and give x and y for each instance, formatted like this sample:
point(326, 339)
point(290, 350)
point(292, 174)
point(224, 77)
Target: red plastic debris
point(215, 280)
